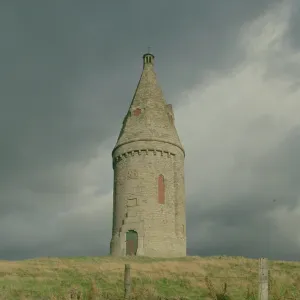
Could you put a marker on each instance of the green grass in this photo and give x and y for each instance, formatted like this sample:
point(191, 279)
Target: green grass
point(103, 278)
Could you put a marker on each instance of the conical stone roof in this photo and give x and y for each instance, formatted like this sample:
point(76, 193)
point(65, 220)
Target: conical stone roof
point(149, 117)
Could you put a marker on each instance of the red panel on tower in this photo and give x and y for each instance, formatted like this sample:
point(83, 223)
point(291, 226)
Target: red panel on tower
point(161, 189)
point(137, 112)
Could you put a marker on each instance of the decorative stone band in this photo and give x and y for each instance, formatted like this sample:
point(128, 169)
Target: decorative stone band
point(145, 151)
point(147, 140)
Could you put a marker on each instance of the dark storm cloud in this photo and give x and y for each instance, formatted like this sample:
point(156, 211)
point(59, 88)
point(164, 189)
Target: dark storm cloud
point(53, 113)
point(68, 72)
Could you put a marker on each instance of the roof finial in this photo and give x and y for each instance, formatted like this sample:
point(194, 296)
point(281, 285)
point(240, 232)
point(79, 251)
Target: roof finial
point(148, 58)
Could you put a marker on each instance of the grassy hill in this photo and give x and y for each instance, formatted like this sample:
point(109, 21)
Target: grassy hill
point(103, 278)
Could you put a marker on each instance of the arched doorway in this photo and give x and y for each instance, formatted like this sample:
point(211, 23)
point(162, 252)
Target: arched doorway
point(131, 242)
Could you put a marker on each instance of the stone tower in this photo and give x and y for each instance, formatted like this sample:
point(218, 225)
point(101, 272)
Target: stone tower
point(149, 216)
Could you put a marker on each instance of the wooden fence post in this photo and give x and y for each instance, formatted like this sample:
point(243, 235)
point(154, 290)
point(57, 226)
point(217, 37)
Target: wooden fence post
point(263, 289)
point(127, 281)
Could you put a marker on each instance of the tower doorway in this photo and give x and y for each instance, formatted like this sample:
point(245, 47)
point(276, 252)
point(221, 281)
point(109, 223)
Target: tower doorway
point(131, 242)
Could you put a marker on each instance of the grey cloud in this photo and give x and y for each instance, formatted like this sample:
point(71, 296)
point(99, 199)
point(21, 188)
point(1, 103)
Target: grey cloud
point(68, 72)
point(276, 185)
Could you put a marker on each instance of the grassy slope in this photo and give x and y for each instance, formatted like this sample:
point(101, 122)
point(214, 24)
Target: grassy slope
point(57, 278)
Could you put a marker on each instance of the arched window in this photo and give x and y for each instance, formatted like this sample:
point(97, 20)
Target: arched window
point(161, 189)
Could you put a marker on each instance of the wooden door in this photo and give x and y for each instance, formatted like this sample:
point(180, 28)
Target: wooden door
point(131, 242)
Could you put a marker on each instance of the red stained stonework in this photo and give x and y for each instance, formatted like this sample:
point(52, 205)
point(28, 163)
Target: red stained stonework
point(137, 112)
point(161, 189)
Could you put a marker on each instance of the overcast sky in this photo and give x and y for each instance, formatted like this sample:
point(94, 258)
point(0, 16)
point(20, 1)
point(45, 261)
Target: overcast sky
point(68, 73)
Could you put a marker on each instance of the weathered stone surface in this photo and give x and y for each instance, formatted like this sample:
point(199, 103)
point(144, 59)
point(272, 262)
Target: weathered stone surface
point(148, 146)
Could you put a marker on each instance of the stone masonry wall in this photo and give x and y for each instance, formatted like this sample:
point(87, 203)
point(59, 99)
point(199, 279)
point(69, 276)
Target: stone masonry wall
point(160, 227)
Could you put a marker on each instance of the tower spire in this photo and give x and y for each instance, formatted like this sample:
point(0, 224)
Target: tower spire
point(149, 116)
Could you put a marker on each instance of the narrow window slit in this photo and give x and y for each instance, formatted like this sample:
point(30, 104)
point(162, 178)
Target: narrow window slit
point(161, 189)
